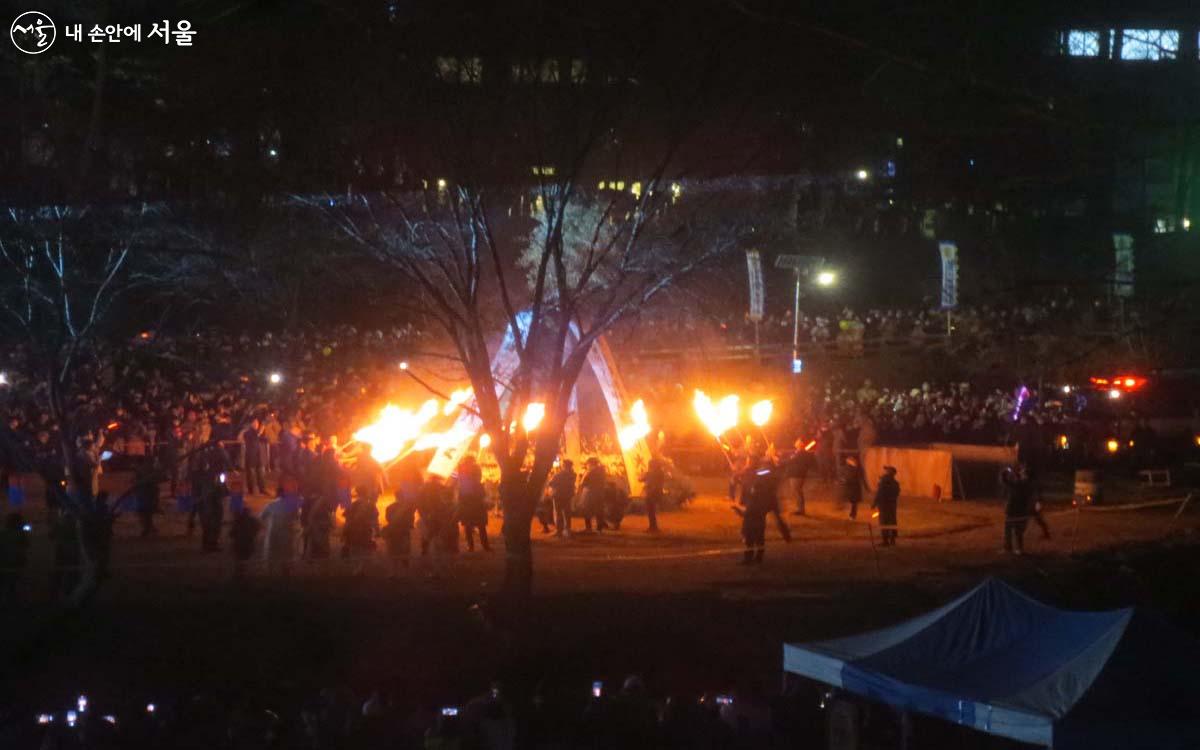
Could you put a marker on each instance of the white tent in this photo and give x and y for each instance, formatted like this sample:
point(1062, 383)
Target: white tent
point(1000, 662)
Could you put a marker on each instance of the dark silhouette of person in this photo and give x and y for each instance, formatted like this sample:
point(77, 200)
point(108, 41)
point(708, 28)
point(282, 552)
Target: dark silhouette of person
point(886, 496)
point(654, 482)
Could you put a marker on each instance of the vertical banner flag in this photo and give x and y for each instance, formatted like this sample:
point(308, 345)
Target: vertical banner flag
point(1123, 265)
point(949, 252)
point(754, 272)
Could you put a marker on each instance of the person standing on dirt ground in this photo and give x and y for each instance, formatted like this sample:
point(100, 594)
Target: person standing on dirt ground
point(851, 484)
point(358, 535)
point(1018, 506)
point(397, 535)
point(562, 492)
point(254, 445)
point(591, 494)
point(472, 502)
point(653, 482)
point(759, 493)
point(886, 496)
point(769, 459)
point(795, 473)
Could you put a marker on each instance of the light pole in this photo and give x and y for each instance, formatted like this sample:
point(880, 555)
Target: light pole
point(804, 266)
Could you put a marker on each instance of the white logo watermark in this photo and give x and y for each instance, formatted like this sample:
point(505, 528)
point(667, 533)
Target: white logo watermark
point(32, 32)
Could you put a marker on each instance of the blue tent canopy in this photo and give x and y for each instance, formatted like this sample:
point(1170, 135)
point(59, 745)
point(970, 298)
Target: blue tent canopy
point(1005, 664)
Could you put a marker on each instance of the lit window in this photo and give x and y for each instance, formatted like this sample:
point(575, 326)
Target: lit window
point(636, 189)
point(1083, 43)
point(549, 71)
point(1149, 44)
point(601, 185)
point(620, 184)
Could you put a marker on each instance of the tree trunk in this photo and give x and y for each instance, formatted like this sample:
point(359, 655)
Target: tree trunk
point(77, 501)
point(518, 501)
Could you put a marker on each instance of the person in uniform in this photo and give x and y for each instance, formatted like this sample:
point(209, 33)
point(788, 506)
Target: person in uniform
point(886, 496)
point(759, 496)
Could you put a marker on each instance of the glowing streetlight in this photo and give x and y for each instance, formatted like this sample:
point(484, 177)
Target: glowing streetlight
point(1112, 445)
point(534, 413)
point(1114, 394)
point(275, 378)
point(862, 175)
point(404, 365)
point(485, 440)
point(826, 278)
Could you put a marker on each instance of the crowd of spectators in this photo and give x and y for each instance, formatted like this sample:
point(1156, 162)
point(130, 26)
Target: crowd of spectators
point(1055, 312)
point(166, 396)
point(949, 412)
point(550, 715)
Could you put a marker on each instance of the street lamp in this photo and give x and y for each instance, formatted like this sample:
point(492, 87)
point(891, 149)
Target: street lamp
point(803, 266)
point(862, 175)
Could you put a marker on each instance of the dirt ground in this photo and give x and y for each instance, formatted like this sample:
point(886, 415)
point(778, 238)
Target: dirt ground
point(674, 607)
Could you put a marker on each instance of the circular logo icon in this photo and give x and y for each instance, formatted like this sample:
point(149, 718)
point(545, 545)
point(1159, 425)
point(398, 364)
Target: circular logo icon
point(32, 32)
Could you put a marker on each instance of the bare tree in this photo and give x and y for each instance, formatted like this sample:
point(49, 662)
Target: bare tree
point(57, 295)
point(549, 266)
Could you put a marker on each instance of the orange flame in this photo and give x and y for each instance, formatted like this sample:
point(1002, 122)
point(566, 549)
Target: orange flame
point(719, 418)
point(395, 429)
point(637, 429)
point(760, 413)
point(457, 399)
point(534, 414)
